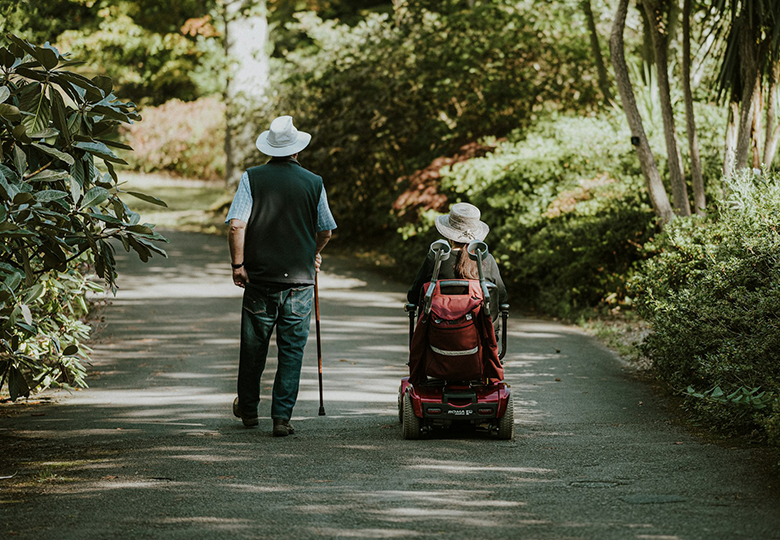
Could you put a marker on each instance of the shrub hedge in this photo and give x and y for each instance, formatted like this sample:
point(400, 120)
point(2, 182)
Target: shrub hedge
point(58, 212)
point(567, 211)
point(711, 292)
point(180, 138)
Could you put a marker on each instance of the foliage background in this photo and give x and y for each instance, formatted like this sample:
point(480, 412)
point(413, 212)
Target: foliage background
point(416, 104)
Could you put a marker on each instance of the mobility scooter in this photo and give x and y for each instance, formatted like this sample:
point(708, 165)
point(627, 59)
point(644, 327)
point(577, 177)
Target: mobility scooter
point(455, 369)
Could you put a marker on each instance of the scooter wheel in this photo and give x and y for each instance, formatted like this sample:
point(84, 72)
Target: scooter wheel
point(506, 424)
point(410, 423)
point(400, 407)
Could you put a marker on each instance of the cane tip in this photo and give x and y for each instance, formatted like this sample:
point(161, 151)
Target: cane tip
point(322, 411)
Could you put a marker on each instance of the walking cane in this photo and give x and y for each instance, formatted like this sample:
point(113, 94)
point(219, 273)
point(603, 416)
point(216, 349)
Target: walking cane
point(319, 339)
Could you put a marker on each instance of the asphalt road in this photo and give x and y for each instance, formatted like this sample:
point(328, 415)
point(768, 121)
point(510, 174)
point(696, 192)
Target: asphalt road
point(152, 450)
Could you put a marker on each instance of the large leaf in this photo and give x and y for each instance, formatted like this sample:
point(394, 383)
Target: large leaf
point(26, 313)
point(77, 172)
point(75, 190)
point(20, 161)
point(94, 197)
point(91, 92)
point(67, 158)
point(5, 93)
point(10, 112)
point(46, 133)
point(59, 115)
point(108, 219)
point(9, 174)
point(7, 191)
point(147, 198)
point(32, 99)
point(17, 384)
point(49, 57)
point(49, 176)
point(23, 44)
point(100, 150)
point(50, 195)
point(149, 245)
point(7, 59)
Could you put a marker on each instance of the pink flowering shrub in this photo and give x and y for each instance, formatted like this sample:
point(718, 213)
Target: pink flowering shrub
point(182, 138)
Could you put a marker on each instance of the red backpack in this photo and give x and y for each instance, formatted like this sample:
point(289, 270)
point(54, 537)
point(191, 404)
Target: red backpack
point(456, 340)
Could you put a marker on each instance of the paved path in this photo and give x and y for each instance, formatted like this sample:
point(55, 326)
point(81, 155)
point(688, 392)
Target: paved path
point(152, 450)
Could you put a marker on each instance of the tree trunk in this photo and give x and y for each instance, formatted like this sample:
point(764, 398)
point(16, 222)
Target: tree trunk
point(751, 88)
point(699, 198)
point(655, 187)
point(597, 56)
point(679, 188)
point(246, 34)
point(648, 56)
point(732, 132)
point(772, 127)
point(755, 129)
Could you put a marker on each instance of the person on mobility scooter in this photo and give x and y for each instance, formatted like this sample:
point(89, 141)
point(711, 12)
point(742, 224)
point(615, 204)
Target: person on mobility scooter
point(455, 373)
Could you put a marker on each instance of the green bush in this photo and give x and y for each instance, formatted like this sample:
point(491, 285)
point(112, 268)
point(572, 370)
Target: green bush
point(385, 97)
point(181, 138)
point(58, 212)
point(567, 211)
point(712, 295)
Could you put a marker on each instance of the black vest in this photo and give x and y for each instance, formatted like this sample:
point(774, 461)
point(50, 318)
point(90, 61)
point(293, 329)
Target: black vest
point(280, 242)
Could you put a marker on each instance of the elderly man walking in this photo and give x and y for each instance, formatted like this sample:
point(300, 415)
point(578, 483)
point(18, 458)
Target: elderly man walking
point(279, 223)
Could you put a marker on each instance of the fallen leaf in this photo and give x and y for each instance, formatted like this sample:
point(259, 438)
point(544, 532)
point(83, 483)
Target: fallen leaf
point(557, 380)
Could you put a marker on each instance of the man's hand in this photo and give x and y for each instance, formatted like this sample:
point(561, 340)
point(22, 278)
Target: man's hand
point(240, 277)
point(317, 262)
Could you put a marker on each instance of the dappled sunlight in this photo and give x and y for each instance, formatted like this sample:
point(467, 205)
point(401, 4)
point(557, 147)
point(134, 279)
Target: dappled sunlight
point(460, 467)
point(158, 431)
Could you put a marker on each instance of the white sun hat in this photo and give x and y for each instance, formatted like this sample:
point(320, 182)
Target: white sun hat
point(282, 139)
point(462, 224)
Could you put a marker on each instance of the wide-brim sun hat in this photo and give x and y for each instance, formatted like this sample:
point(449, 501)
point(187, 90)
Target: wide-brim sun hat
point(282, 139)
point(462, 224)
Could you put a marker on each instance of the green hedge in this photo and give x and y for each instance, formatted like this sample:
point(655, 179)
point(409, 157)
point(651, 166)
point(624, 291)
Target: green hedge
point(567, 211)
point(385, 97)
point(712, 295)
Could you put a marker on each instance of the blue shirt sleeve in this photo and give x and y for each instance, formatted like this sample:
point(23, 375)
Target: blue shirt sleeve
point(241, 208)
point(325, 221)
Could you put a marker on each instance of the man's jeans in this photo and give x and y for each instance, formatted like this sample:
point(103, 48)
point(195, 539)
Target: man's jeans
point(290, 311)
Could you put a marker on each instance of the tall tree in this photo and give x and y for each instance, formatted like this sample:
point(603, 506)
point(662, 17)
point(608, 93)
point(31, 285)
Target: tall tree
point(657, 13)
point(246, 37)
point(699, 198)
point(598, 58)
point(655, 188)
point(752, 34)
point(772, 126)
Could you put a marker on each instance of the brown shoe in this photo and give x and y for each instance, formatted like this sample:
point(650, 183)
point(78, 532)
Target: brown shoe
point(249, 421)
point(282, 428)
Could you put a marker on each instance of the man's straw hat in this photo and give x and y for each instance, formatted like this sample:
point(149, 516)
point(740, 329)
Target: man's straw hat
point(282, 139)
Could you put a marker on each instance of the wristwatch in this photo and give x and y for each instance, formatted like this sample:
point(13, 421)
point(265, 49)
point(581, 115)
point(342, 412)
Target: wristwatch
point(236, 266)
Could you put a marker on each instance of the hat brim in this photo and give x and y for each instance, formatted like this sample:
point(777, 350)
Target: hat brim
point(456, 235)
point(282, 151)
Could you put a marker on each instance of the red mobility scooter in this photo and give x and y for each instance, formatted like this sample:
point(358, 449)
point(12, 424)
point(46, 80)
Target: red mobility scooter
point(455, 369)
